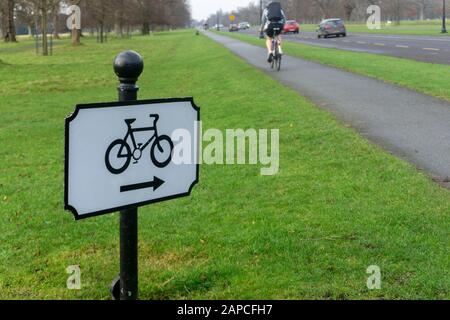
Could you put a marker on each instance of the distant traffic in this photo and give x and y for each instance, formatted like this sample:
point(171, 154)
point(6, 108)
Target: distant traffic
point(328, 27)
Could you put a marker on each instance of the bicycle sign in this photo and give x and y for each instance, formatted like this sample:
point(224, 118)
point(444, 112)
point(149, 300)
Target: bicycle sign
point(122, 145)
point(121, 154)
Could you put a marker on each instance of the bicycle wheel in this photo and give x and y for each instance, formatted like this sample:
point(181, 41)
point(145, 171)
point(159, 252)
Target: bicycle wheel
point(279, 62)
point(272, 63)
point(277, 57)
point(161, 156)
point(119, 162)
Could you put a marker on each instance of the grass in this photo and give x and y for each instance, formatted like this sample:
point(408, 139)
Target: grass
point(428, 78)
point(338, 205)
point(424, 28)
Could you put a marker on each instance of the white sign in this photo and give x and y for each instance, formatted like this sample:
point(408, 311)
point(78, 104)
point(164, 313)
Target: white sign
point(121, 155)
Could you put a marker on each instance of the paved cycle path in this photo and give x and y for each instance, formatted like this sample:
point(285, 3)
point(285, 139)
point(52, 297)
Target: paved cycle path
point(413, 126)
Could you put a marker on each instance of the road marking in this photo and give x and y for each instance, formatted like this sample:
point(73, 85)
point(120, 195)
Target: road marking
point(401, 46)
point(430, 49)
point(378, 44)
point(420, 38)
point(362, 42)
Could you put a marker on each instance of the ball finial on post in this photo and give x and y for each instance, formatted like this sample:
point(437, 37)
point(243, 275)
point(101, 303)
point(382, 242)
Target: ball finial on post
point(128, 66)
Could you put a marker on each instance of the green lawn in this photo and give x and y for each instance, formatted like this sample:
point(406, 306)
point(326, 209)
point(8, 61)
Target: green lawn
point(424, 28)
point(338, 205)
point(429, 78)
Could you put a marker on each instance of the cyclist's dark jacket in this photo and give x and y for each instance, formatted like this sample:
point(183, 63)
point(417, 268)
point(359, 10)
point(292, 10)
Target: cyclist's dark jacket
point(267, 24)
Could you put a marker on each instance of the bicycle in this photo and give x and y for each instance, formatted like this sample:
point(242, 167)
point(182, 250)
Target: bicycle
point(276, 58)
point(163, 144)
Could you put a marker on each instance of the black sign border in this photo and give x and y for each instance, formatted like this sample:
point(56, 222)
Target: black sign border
point(71, 117)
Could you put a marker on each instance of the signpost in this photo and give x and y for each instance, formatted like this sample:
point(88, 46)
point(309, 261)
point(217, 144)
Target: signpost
point(232, 18)
point(119, 156)
point(444, 18)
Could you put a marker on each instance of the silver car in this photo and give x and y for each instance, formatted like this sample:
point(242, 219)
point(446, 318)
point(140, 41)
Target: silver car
point(244, 26)
point(331, 27)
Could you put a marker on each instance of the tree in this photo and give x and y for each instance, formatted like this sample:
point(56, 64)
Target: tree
point(42, 9)
point(25, 15)
point(326, 7)
point(349, 6)
point(8, 26)
point(118, 17)
point(145, 8)
point(55, 20)
point(100, 14)
point(423, 6)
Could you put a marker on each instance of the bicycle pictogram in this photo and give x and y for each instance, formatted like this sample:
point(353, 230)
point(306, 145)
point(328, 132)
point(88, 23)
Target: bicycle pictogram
point(119, 153)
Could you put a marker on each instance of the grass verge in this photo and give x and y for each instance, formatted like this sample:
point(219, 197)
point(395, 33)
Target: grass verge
point(428, 78)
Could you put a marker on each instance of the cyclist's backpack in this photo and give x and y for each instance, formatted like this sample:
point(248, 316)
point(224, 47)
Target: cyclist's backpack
point(274, 12)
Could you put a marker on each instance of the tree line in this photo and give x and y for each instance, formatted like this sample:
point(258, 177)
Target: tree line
point(118, 16)
point(313, 11)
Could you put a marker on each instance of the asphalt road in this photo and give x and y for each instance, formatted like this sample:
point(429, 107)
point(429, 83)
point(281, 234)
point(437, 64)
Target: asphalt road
point(411, 125)
point(433, 49)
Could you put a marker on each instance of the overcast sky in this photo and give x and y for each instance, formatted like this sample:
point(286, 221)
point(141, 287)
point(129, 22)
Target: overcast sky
point(201, 9)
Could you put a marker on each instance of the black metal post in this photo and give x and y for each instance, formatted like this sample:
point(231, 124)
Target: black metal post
point(128, 66)
point(444, 17)
point(218, 21)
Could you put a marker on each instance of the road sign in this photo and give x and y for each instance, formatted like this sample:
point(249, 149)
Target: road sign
point(121, 155)
point(232, 17)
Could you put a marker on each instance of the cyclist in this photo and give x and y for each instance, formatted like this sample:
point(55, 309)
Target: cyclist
point(273, 18)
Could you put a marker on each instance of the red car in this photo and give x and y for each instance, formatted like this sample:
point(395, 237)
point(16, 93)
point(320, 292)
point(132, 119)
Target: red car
point(291, 26)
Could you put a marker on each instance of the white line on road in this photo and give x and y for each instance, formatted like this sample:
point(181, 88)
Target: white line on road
point(378, 44)
point(430, 49)
point(361, 42)
point(420, 38)
point(401, 46)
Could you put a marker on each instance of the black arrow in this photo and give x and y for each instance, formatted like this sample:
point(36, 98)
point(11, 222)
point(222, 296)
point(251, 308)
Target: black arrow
point(155, 184)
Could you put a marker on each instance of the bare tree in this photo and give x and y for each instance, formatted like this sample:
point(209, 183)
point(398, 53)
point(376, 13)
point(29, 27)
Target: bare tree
point(8, 26)
point(44, 9)
point(118, 17)
point(349, 6)
point(145, 9)
point(423, 6)
point(55, 19)
point(100, 14)
point(325, 7)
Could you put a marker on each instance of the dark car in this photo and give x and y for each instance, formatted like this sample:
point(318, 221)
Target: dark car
point(233, 28)
point(291, 26)
point(331, 27)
